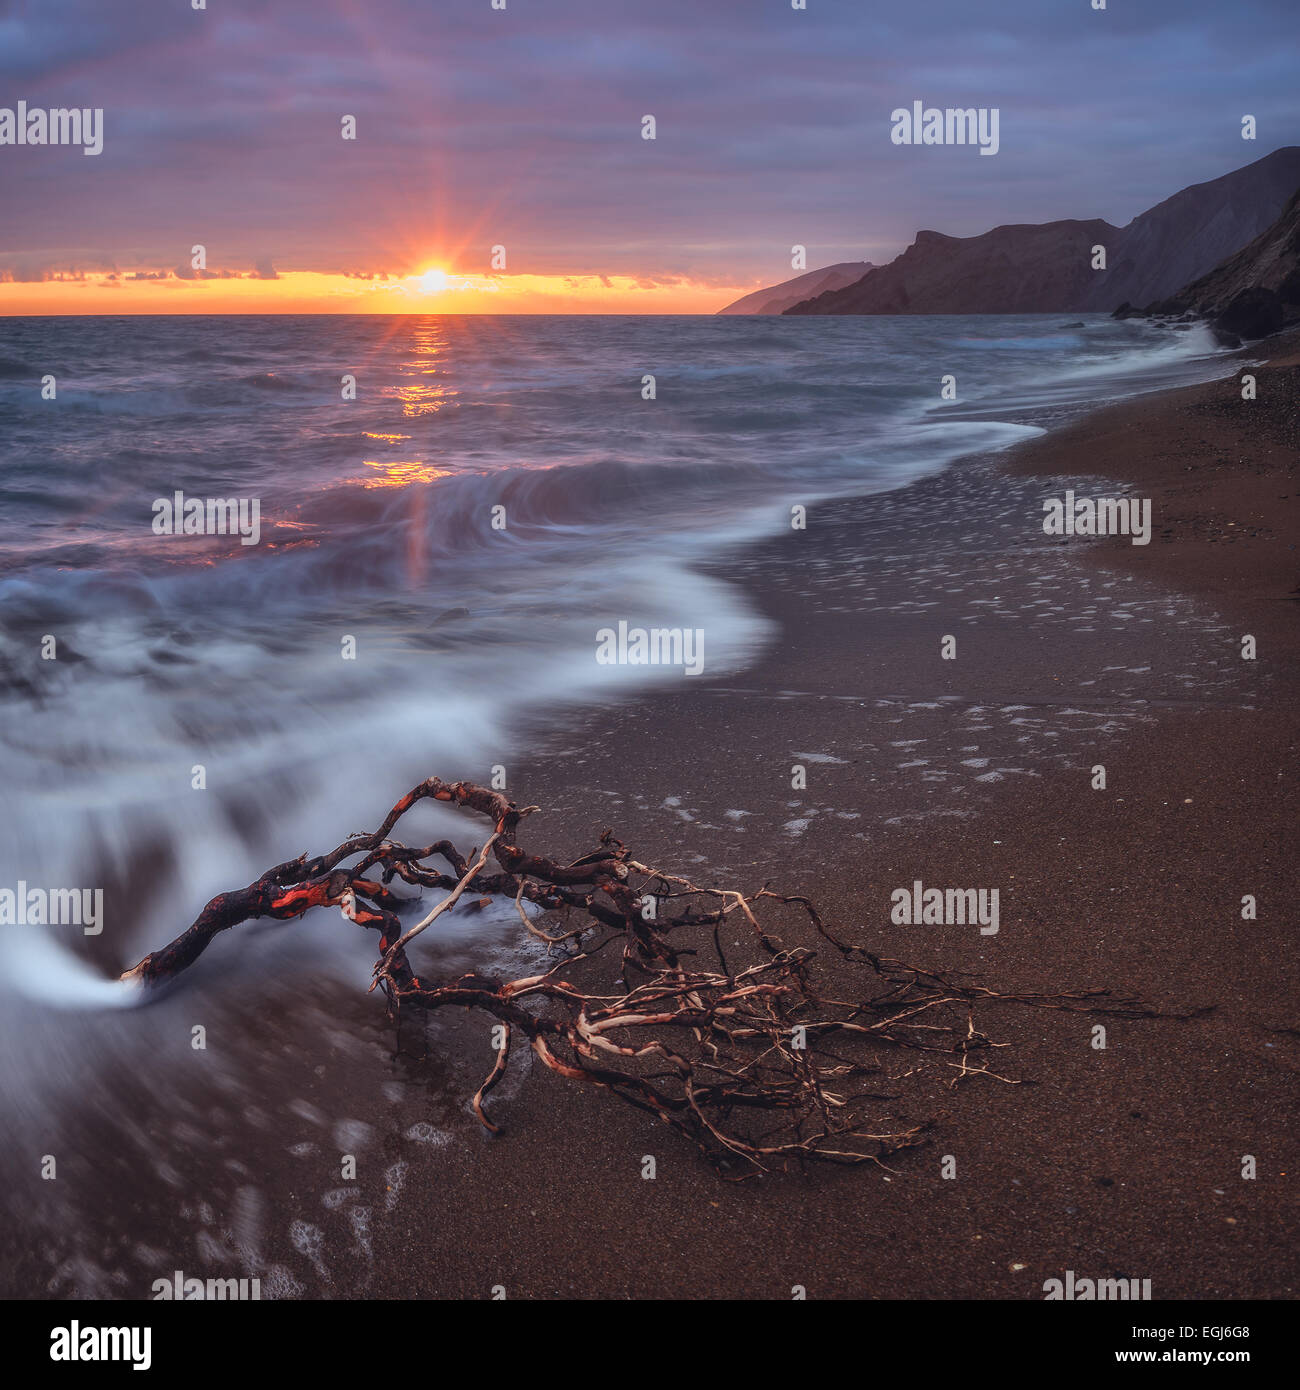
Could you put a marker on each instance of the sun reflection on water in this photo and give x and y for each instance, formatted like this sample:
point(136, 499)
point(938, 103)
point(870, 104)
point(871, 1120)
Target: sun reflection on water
point(400, 472)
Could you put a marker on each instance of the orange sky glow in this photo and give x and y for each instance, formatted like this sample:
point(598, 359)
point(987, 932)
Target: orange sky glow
point(431, 291)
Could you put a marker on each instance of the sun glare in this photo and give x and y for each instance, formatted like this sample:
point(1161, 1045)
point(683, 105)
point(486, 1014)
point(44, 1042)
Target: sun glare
point(432, 281)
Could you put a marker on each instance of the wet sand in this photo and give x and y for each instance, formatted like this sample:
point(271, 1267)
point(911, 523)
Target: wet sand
point(1122, 1162)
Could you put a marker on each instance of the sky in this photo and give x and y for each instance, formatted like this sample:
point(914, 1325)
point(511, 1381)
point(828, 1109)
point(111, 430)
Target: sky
point(522, 128)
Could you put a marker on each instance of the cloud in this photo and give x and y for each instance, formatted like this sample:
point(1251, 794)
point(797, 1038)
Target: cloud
point(523, 127)
point(23, 272)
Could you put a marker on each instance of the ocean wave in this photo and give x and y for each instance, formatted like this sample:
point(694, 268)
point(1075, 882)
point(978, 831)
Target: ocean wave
point(379, 523)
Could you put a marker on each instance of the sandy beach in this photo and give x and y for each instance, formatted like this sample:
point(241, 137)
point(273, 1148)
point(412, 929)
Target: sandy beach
point(1126, 1161)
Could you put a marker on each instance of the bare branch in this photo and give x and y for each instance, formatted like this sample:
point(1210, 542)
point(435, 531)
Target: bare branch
point(775, 1057)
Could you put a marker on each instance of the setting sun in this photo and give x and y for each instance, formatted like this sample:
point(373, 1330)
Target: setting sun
point(433, 281)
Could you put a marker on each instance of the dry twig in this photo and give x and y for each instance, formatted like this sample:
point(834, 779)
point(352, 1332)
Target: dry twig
point(758, 1066)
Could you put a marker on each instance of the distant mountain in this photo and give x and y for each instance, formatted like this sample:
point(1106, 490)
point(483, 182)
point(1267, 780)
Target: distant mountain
point(1189, 234)
point(1026, 269)
point(777, 298)
point(1046, 268)
point(1256, 291)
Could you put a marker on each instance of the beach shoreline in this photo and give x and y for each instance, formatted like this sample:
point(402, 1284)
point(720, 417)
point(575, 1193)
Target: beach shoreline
point(1198, 811)
point(1117, 1162)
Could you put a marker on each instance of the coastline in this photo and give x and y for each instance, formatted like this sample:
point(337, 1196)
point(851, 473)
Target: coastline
point(1117, 1163)
point(1127, 1160)
point(1222, 473)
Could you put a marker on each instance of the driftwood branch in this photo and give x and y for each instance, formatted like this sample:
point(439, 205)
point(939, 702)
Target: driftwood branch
point(788, 1054)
